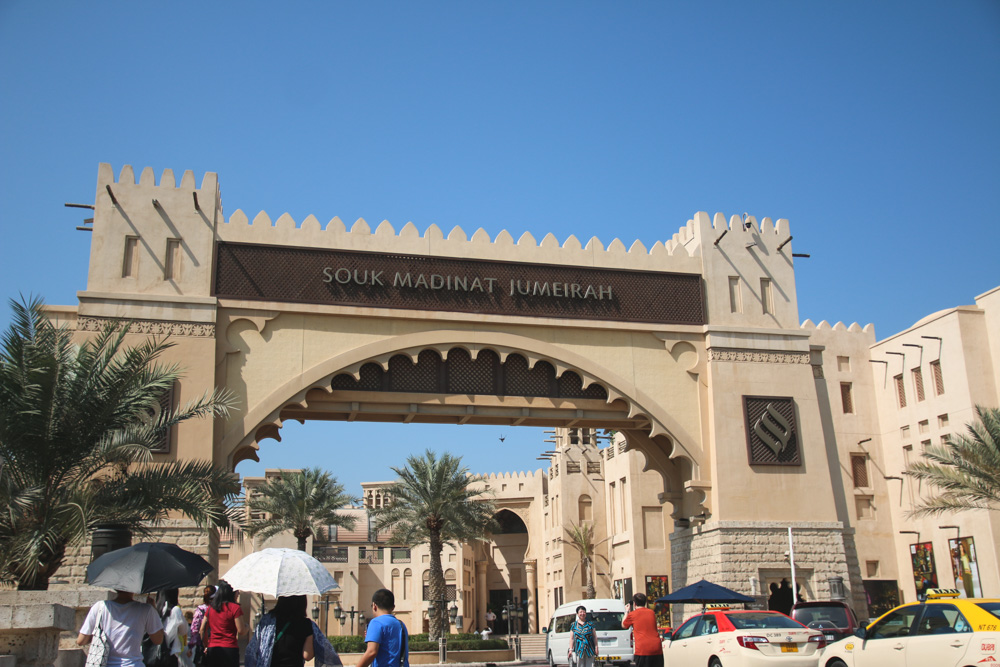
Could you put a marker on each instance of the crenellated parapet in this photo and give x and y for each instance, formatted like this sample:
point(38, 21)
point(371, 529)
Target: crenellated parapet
point(433, 241)
point(152, 245)
point(519, 476)
point(868, 330)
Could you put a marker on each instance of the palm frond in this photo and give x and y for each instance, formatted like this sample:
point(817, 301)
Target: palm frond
point(964, 473)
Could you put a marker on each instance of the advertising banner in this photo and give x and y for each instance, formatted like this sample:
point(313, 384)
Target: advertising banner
point(965, 567)
point(657, 587)
point(924, 570)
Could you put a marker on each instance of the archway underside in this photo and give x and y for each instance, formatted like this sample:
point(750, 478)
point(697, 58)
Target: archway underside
point(455, 386)
point(452, 385)
point(408, 408)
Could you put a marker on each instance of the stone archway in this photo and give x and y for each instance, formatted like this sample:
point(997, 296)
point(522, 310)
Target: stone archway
point(690, 340)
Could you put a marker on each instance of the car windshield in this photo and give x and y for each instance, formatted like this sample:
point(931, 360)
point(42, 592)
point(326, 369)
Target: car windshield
point(834, 615)
point(606, 620)
point(761, 619)
point(992, 607)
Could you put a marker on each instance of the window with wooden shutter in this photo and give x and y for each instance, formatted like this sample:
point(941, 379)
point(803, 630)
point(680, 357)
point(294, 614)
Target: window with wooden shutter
point(846, 398)
point(859, 470)
point(918, 383)
point(900, 390)
point(938, 378)
point(164, 406)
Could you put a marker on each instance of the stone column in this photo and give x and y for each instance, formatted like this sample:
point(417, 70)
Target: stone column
point(481, 595)
point(530, 567)
point(31, 631)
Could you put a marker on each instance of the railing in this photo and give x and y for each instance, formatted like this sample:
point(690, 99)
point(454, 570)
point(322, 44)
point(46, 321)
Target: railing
point(330, 554)
point(400, 555)
point(370, 556)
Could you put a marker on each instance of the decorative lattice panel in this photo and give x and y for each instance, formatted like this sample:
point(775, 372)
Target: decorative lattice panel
point(460, 374)
point(522, 381)
point(420, 377)
point(571, 386)
point(466, 376)
point(772, 433)
point(369, 279)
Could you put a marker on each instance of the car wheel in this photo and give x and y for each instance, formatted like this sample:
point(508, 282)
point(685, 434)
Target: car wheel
point(551, 661)
point(836, 662)
point(714, 662)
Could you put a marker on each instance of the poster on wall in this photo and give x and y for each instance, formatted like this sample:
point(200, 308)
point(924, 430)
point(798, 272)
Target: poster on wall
point(657, 587)
point(965, 567)
point(924, 570)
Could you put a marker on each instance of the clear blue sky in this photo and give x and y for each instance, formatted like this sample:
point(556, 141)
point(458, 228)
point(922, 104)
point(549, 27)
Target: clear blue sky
point(872, 126)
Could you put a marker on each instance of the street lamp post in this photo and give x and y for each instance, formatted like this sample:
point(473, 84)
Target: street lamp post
point(326, 612)
point(341, 615)
point(513, 614)
point(432, 612)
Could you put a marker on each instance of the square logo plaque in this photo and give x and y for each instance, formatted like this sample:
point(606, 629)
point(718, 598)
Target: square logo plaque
point(772, 432)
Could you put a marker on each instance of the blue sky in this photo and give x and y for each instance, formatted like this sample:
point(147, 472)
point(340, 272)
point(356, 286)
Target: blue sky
point(872, 127)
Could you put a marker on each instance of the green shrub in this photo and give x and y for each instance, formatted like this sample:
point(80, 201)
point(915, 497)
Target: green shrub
point(348, 643)
point(459, 644)
point(466, 641)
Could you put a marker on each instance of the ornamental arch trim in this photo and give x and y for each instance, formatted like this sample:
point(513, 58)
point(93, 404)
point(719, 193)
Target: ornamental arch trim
point(266, 418)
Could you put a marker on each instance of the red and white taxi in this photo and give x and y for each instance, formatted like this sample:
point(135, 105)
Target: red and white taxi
point(729, 638)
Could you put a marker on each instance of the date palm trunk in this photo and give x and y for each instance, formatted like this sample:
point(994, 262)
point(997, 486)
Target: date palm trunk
point(437, 589)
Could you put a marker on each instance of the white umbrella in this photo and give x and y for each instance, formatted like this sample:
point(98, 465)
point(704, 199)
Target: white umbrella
point(280, 572)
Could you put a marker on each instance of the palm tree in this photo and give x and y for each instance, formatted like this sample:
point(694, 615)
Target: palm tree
point(78, 423)
point(966, 469)
point(581, 540)
point(434, 503)
point(302, 502)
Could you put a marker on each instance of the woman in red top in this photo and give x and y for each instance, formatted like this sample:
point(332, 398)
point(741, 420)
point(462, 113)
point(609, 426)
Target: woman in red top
point(221, 628)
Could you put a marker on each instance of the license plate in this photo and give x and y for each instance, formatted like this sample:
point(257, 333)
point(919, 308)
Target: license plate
point(789, 648)
point(829, 638)
point(606, 641)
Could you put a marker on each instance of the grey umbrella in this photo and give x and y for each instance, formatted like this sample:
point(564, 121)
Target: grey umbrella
point(147, 567)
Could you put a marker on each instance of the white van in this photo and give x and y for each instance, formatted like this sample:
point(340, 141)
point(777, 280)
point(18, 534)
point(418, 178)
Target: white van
point(614, 643)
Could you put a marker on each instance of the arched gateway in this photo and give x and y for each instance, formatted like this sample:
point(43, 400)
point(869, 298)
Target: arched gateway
point(692, 348)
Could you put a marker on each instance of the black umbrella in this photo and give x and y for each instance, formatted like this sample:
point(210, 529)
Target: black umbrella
point(704, 592)
point(147, 567)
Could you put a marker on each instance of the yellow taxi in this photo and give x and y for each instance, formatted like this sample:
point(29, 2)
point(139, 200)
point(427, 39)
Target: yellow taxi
point(941, 631)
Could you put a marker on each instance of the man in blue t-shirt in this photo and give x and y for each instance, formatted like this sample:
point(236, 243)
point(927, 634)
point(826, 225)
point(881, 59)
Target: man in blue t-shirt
point(386, 636)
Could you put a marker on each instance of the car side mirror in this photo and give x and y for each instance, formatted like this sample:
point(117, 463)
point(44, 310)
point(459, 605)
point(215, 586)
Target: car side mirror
point(544, 630)
point(860, 633)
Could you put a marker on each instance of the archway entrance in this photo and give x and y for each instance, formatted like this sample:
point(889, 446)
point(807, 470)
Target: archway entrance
point(690, 349)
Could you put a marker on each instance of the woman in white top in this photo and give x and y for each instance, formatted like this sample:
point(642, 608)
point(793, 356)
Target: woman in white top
point(124, 621)
point(175, 628)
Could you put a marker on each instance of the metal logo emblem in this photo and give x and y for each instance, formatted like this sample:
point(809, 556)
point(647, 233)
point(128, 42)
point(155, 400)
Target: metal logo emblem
point(773, 429)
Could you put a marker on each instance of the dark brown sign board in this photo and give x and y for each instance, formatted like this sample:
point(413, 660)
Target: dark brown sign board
point(383, 280)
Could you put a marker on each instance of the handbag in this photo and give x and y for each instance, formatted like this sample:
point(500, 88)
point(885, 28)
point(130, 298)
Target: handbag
point(100, 647)
point(157, 655)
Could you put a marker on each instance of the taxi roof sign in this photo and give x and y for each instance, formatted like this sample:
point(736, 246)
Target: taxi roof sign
point(717, 607)
point(936, 593)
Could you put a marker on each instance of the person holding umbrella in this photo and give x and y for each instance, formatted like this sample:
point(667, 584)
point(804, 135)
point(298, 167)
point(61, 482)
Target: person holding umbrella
point(286, 637)
point(123, 621)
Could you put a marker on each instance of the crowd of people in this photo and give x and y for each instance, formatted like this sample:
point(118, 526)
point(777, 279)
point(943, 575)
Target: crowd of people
point(125, 632)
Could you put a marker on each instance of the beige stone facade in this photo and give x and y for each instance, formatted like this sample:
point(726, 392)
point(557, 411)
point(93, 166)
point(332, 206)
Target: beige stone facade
point(729, 415)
